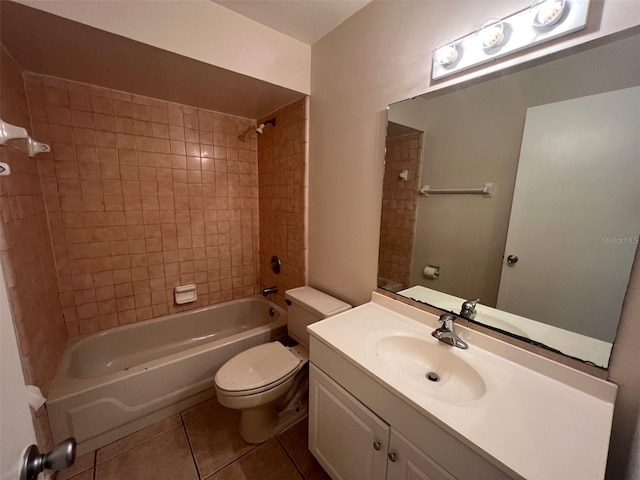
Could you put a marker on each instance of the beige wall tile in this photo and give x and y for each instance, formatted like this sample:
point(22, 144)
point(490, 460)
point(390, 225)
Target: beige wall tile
point(399, 203)
point(282, 197)
point(127, 178)
point(25, 244)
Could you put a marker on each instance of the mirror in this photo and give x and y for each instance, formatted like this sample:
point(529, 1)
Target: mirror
point(548, 247)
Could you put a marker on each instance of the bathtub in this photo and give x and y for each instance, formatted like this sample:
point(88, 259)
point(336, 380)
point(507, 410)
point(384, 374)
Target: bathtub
point(113, 383)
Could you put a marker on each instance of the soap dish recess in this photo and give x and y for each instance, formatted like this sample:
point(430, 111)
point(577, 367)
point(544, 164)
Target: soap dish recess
point(185, 294)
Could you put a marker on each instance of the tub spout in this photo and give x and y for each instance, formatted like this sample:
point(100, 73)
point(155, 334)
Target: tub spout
point(269, 290)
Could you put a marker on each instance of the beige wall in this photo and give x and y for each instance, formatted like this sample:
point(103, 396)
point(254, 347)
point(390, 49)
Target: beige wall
point(282, 181)
point(380, 56)
point(197, 29)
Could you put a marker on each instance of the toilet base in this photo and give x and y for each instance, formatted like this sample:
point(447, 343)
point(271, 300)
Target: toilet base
point(261, 423)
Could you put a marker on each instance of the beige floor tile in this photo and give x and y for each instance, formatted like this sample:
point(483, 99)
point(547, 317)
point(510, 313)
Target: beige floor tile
point(82, 463)
point(201, 408)
point(295, 441)
point(130, 441)
point(164, 457)
point(86, 475)
point(266, 462)
point(215, 439)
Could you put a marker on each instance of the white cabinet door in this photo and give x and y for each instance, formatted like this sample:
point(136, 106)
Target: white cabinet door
point(348, 440)
point(406, 462)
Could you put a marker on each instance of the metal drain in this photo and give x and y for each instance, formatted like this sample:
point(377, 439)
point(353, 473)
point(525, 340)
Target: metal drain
point(433, 377)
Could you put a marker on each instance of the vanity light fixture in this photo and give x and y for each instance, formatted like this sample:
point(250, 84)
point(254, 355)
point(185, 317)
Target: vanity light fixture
point(446, 53)
point(490, 34)
point(543, 21)
point(545, 13)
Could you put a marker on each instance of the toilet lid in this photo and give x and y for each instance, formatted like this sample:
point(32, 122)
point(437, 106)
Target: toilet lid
point(256, 367)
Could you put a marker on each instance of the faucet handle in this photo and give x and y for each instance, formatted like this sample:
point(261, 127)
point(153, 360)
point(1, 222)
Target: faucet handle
point(446, 319)
point(470, 303)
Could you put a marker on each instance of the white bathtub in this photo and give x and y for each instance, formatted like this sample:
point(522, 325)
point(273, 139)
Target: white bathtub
point(113, 383)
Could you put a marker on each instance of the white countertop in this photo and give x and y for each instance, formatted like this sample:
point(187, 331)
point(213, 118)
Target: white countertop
point(541, 419)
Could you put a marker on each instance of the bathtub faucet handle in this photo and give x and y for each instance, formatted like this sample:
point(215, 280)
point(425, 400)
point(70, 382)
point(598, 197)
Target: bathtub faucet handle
point(269, 290)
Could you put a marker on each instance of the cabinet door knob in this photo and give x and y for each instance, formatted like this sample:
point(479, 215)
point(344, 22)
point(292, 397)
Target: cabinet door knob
point(376, 445)
point(392, 457)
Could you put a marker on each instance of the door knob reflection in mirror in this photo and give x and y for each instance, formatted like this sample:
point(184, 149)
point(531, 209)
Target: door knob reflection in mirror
point(512, 259)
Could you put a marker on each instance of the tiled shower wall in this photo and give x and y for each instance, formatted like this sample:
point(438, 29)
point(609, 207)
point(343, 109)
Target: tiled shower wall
point(25, 251)
point(282, 158)
point(399, 201)
point(143, 195)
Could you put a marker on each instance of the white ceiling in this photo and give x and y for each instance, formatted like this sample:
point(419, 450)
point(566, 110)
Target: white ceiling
point(304, 20)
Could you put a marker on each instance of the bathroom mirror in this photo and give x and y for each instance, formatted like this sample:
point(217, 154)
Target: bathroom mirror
point(545, 227)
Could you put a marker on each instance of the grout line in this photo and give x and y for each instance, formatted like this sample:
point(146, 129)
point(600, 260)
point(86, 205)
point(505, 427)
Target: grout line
point(293, 462)
point(186, 433)
point(137, 444)
point(215, 407)
point(256, 445)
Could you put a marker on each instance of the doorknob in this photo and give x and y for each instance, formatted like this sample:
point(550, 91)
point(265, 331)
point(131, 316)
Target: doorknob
point(62, 456)
point(512, 259)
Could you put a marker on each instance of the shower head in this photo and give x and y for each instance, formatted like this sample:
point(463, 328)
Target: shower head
point(260, 128)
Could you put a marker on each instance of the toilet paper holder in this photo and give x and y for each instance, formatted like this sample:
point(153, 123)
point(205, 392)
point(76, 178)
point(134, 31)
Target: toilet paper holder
point(431, 271)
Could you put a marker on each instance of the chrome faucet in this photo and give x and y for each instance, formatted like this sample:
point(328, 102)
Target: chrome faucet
point(469, 309)
point(269, 290)
point(445, 332)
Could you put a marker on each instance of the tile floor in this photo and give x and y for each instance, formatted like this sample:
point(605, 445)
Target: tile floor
point(202, 442)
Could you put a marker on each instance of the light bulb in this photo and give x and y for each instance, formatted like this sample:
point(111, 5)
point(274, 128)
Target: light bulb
point(491, 33)
point(546, 12)
point(445, 54)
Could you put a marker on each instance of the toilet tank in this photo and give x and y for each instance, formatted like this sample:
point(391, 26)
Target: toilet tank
point(306, 306)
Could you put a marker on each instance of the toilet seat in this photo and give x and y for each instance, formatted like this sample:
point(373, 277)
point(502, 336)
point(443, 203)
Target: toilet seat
point(258, 369)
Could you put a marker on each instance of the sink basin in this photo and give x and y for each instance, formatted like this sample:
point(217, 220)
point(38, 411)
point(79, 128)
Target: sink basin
point(430, 368)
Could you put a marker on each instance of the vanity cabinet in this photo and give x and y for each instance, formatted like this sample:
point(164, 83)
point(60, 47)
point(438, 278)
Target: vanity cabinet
point(411, 463)
point(351, 442)
point(370, 400)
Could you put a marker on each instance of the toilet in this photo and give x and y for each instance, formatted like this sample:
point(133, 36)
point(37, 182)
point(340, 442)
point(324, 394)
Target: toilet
point(267, 382)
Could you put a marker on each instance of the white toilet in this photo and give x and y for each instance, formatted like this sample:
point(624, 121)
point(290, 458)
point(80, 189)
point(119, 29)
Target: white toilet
point(267, 382)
